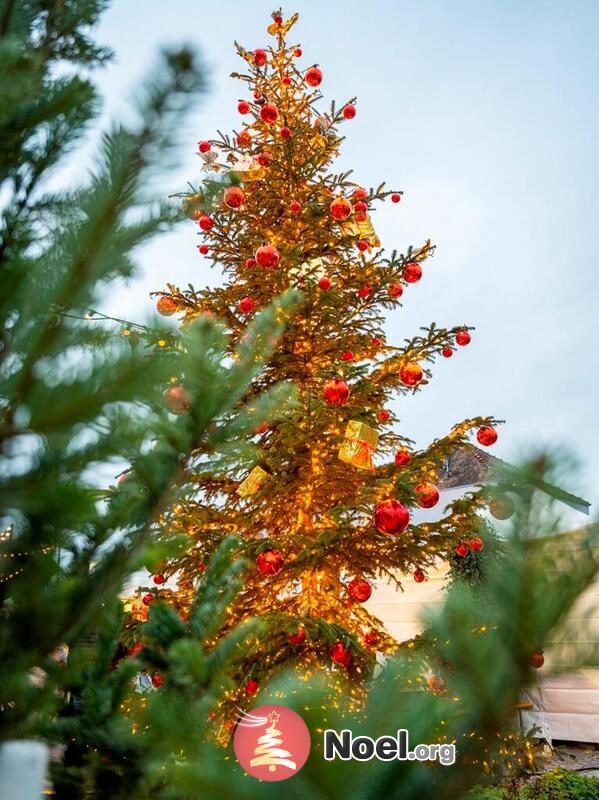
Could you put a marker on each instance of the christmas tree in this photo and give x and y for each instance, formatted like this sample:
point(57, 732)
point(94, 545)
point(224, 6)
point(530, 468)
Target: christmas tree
point(268, 751)
point(327, 506)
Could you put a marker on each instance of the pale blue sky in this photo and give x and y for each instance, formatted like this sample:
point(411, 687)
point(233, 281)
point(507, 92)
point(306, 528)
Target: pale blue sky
point(485, 112)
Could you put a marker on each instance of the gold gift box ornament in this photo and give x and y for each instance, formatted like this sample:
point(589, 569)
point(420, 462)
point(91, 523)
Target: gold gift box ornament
point(364, 229)
point(134, 606)
point(254, 481)
point(248, 169)
point(359, 445)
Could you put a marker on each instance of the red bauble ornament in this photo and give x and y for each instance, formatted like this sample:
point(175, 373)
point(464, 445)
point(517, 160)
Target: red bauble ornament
point(257, 94)
point(243, 107)
point(403, 457)
point(286, 80)
point(297, 52)
point(360, 207)
point(137, 648)
point(349, 111)
point(461, 550)
point(205, 222)
point(313, 76)
point(383, 415)
point(244, 139)
point(267, 256)
point(264, 159)
point(234, 197)
point(270, 562)
point(203, 248)
point(324, 283)
point(363, 245)
point(204, 146)
point(463, 338)
point(411, 374)
point(247, 305)
point(359, 193)
point(447, 352)
point(158, 579)
point(501, 507)
point(147, 599)
point(419, 575)
point(537, 659)
point(340, 209)
point(260, 57)
point(376, 342)
point(391, 517)
point(359, 590)
point(364, 292)
point(477, 543)
point(269, 113)
point(177, 400)
point(157, 680)
point(166, 305)
point(486, 435)
point(427, 494)
point(395, 290)
point(371, 638)
point(298, 637)
point(295, 207)
point(347, 355)
point(251, 687)
point(412, 272)
point(336, 392)
point(250, 262)
point(285, 132)
point(340, 654)
point(395, 198)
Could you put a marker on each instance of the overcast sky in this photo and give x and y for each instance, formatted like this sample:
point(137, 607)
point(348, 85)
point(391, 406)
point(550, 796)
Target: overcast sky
point(485, 113)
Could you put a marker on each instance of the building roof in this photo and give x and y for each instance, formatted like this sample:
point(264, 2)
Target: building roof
point(469, 465)
point(466, 467)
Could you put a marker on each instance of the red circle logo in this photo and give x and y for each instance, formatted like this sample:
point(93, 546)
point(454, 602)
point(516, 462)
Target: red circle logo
point(271, 742)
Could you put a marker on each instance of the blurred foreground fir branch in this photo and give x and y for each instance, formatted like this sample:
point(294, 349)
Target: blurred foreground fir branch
point(76, 400)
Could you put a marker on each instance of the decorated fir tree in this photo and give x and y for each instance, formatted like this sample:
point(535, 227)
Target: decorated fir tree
point(328, 505)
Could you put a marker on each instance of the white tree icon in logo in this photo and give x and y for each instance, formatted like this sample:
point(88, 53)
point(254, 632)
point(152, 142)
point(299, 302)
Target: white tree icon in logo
point(267, 752)
point(270, 737)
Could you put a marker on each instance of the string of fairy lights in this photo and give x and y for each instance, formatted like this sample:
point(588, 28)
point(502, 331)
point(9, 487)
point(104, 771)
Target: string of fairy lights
point(10, 574)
